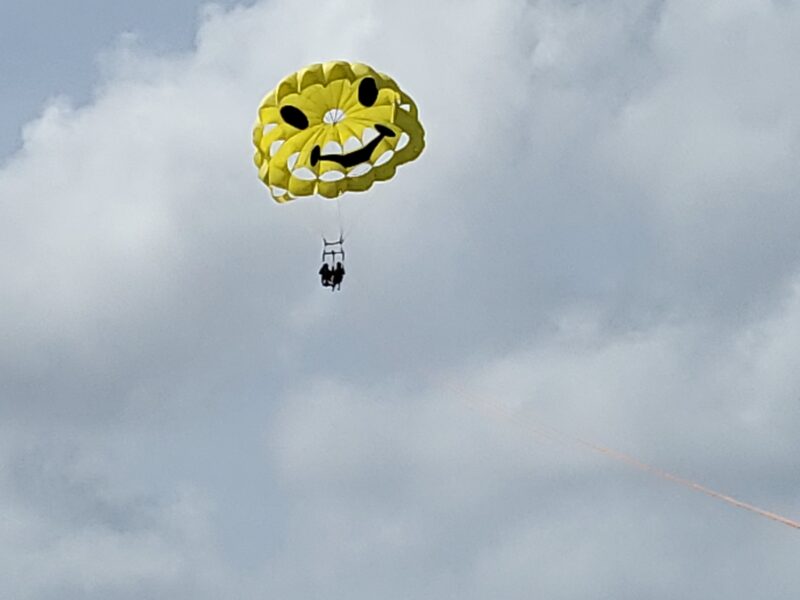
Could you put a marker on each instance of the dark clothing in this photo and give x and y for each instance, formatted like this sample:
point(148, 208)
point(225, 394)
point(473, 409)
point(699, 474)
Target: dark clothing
point(326, 275)
point(337, 276)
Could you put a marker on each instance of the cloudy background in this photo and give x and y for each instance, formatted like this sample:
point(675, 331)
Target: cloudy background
point(601, 237)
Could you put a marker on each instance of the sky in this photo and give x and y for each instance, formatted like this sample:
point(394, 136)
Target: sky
point(600, 237)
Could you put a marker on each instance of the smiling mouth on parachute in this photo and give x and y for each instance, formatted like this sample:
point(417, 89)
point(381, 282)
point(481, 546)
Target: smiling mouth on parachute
point(356, 157)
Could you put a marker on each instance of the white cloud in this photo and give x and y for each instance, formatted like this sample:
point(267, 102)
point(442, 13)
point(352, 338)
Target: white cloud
point(600, 235)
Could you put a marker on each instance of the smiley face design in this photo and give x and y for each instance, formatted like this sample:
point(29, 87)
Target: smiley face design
point(333, 128)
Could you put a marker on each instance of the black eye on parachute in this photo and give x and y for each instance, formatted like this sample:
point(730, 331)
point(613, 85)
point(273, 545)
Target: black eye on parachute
point(367, 91)
point(294, 117)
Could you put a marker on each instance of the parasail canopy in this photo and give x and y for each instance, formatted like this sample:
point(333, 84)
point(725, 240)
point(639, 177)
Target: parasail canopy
point(332, 128)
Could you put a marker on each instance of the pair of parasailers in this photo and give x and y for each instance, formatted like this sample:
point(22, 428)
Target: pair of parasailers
point(332, 278)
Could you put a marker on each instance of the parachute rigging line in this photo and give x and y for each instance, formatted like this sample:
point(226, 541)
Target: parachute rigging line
point(341, 224)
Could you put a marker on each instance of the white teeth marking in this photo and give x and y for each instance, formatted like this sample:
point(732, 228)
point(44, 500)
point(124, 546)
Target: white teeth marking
point(268, 127)
point(277, 191)
point(332, 148)
point(406, 107)
point(360, 170)
point(305, 174)
point(352, 143)
point(384, 158)
point(276, 145)
point(369, 135)
point(292, 161)
point(331, 176)
point(402, 141)
point(334, 115)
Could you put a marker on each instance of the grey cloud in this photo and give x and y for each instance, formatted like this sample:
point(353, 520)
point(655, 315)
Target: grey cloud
point(599, 235)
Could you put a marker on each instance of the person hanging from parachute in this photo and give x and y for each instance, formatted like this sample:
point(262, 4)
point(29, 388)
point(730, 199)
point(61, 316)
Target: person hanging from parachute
point(326, 275)
point(333, 128)
point(337, 276)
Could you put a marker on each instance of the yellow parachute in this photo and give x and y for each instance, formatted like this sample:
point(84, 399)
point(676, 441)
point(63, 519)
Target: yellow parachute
point(332, 128)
